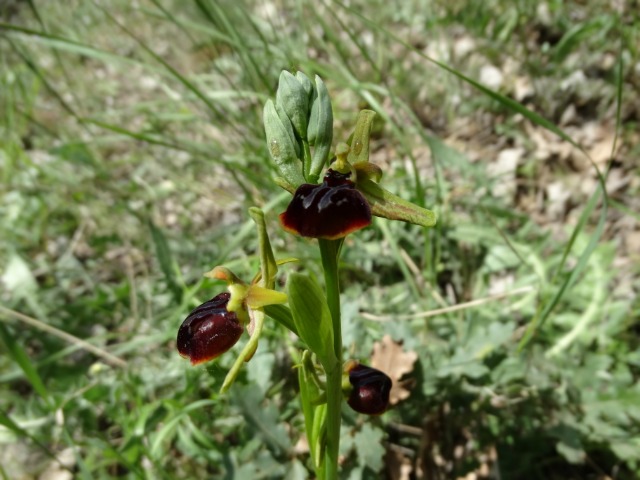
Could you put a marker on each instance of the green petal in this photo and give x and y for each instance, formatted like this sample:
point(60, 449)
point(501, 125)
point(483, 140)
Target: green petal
point(359, 141)
point(387, 205)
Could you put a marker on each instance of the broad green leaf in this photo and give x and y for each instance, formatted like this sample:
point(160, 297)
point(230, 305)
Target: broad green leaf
point(308, 392)
point(282, 315)
point(311, 316)
point(319, 434)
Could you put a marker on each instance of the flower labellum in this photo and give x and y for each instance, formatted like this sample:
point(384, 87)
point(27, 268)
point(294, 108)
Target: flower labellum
point(209, 330)
point(371, 387)
point(330, 210)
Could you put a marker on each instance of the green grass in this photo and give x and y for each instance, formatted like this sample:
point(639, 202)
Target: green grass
point(131, 148)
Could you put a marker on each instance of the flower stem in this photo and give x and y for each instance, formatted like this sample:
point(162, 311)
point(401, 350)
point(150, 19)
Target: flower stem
point(330, 252)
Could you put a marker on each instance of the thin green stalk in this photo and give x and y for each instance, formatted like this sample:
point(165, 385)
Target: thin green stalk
point(330, 251)
point(334, 418)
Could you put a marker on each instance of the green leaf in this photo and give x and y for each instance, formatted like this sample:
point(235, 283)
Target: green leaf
point(264, 418)
point(9, 424)
point(169, 425)
point(569, 443)
point(313, 415)
point(311, 316)
point(368, 442)
point(17, 353)
point(282, 315)
point(308, 390)
point(319, 435)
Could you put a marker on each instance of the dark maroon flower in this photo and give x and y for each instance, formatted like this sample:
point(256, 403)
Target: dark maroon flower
point(330, 210)
point(371, 389)
point(209, 330)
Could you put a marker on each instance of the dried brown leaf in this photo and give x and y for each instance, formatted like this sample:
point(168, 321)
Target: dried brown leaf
point(389, 357)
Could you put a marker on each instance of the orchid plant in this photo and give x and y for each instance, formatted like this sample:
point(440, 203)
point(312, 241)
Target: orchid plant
point(299, 134)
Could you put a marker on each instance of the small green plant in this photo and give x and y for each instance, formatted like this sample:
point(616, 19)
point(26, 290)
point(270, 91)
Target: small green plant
point(299, 131)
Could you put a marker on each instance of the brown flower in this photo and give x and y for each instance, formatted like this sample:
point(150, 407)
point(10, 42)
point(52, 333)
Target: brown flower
point(209, 330)
point(330, 210)
point(371, 387)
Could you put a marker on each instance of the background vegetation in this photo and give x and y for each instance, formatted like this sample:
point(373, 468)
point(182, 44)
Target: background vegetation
point(131, 147)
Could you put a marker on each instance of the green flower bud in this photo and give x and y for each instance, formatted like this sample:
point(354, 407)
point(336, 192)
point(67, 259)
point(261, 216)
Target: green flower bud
point(306, 84)
point(287, 125)
point(281, 147)
point(320, 132)
point(294, 100)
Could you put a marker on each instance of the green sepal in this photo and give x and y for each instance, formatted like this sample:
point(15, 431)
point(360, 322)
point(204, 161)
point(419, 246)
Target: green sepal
point(367, 170)
point(294, 100)
point(286, 123)
point(320, 131)
point(359, 140)
point(282, 261)
point(268, 265)
point(285, 185)
point(382, 202)
point(259, 297)
point(223, 273)
point(311, 316)
point(308, 88)
point(281, 148)
point(387, 205)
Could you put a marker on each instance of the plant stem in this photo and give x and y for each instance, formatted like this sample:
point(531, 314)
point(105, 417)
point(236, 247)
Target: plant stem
point(330, 251)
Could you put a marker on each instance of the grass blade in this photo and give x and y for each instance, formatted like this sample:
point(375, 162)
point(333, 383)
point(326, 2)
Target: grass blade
point(166, 261)
point(17, 353)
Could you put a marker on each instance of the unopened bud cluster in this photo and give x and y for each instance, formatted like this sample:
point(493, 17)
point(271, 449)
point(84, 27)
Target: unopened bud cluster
point(301, 117)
